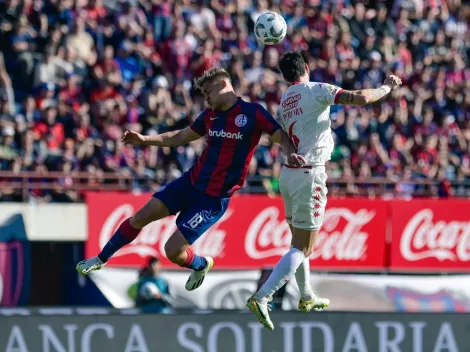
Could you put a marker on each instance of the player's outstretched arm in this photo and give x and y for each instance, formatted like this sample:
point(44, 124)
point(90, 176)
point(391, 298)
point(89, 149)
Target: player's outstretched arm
point(168, 139)
point(368, 96)
point(280, 137)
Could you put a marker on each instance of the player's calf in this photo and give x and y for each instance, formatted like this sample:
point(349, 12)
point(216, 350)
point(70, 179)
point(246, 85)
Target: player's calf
point(128, 231)
point(125, 234)
point(178, 250)
point(304, 239)
point(153, 210)
point(175, 248)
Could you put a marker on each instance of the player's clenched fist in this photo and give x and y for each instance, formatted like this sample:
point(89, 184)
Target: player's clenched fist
point(134, 138)
point(392, 81)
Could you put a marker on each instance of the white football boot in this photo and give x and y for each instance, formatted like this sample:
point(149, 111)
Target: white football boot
point(316, 303)
point(197, 277)
point(261, 310)
point(88, 265)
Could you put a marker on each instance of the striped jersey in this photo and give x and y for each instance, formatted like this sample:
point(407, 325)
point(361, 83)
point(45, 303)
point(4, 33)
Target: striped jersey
point(232, 137)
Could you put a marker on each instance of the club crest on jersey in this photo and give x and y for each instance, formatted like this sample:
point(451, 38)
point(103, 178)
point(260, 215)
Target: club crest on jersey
point(241, 120)
point(332, 89)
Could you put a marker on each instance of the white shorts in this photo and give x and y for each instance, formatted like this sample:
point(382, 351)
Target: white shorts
point(304, 193)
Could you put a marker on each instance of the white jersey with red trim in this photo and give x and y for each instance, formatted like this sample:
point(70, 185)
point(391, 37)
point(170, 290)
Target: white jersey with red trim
point(304, 113)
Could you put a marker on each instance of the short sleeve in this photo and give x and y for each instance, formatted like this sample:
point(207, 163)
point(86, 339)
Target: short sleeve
point(199, 125)
point(265, 121)
point(278, 116)
point(325, 94)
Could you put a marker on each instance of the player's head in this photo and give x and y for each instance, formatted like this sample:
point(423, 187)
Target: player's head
point(293, 67)
point(154, 266)
point(215, 84)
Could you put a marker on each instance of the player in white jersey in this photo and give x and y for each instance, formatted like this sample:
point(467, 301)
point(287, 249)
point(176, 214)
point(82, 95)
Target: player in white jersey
point(304, 113)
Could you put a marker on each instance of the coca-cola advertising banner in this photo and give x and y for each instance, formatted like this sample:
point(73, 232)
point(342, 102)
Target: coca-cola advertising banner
point(252, 233)
point(430, 235)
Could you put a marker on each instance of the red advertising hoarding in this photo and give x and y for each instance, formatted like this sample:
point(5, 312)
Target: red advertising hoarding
point(430, 235)
point(251, 234)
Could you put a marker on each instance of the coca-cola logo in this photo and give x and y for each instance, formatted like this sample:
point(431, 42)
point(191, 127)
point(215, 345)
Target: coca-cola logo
point(341, 237)
point(267, 236)
point(423, 238)
point(151, 240)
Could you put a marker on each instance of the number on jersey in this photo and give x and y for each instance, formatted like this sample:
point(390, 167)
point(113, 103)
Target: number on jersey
point(295, 140)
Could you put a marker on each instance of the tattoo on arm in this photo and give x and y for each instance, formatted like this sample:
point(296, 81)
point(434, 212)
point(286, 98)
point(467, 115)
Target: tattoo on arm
point(362, 97)
point(346, 98)
point(375, 94)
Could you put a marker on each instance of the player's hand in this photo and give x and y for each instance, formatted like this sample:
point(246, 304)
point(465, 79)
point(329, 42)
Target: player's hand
point(296, 160)
point(133, 138)
point(392, 81)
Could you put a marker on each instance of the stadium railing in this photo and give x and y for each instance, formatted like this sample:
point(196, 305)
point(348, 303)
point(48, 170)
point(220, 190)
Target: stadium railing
point(124, 182)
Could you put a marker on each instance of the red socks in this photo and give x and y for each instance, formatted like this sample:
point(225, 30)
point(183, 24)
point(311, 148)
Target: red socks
point(128, 231)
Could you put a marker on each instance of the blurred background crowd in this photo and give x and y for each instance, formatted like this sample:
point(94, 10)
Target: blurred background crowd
point(74, 74)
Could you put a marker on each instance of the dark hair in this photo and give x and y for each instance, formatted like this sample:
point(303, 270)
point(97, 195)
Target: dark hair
point(292, 66)
point(153, 260)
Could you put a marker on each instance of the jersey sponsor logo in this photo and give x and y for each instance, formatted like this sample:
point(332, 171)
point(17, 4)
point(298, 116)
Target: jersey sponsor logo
point(291, 113)
point(223, 134)
point(214, 118)
point(241, 120)
point(291, 102)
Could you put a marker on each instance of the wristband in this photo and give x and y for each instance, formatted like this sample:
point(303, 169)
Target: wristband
point(387, 88)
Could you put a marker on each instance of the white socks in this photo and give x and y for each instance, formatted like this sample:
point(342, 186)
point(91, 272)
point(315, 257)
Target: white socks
point(302, 276)
point(283, 272)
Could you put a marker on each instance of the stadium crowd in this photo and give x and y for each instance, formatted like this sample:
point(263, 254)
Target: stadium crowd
point(75, 74)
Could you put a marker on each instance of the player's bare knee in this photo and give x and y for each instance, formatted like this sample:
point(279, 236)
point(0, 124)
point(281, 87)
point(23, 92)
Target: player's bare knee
point(303, 240)
point(308, 251)
point(303, 248)
point(140, 219)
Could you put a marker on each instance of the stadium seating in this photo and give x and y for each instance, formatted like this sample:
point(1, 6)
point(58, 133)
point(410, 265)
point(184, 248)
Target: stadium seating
point(75, 74)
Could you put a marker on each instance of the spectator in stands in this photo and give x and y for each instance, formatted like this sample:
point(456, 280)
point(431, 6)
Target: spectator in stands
point(74, 74)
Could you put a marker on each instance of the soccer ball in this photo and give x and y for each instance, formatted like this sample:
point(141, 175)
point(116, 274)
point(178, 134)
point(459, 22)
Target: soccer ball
point(148, 290)
point(270, 28)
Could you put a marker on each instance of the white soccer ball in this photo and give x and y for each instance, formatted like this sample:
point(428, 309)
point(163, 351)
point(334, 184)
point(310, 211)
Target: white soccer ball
point(270, 28)
point(148, 290)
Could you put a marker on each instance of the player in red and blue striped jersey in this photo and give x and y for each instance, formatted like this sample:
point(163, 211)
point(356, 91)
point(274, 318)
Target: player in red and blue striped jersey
point(233, 128)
